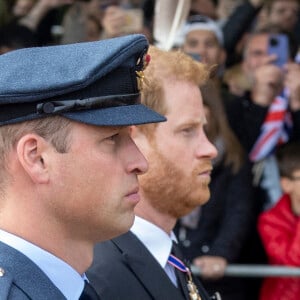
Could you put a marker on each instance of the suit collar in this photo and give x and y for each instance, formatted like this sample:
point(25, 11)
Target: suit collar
point(141, 262)
point(156, 240)
point(139, 259)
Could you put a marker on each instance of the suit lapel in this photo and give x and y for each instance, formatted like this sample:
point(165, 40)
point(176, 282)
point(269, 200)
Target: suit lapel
point(147, 269)
point(27, 275)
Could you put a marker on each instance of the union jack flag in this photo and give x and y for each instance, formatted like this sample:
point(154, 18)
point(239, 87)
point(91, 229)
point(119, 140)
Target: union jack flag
point(275, 129)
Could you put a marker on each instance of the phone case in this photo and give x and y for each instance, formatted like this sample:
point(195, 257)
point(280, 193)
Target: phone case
point(278, 44)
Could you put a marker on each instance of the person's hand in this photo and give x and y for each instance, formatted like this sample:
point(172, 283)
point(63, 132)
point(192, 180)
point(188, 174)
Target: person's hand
point(113, 20)
point(267, 84)
point(212, 267)
point(292, 83)
point(39, 10)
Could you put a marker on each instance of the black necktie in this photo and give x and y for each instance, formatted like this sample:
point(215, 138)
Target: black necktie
point(89, 292)
point(181, 276)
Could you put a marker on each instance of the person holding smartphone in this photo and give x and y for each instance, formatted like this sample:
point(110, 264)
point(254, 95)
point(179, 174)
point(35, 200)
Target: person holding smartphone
point(266, 80)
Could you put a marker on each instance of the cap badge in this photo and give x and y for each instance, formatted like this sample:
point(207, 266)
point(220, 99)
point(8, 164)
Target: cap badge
point(140, 74)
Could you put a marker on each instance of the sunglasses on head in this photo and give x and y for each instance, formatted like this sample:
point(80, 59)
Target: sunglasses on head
point(198, 19)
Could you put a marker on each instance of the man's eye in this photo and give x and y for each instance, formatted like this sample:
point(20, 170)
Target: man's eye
point(188, 130)
point(211, 44)
point(113, 137)
point(192, 43)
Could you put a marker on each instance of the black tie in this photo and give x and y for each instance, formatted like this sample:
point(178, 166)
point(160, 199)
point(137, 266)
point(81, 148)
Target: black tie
point(181, 276)
point(89, 292)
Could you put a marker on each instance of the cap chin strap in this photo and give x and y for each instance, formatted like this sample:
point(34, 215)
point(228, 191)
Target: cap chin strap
point(12, 113)
point(53, 107)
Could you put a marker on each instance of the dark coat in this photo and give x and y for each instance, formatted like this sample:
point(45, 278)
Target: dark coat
point(224, 225)
point(21, 279)
point(246, 119)
point(225, 219)
point(124, 269)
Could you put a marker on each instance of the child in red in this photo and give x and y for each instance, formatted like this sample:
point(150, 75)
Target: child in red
point(279, 228)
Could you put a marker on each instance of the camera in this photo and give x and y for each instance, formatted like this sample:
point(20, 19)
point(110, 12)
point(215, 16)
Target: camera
point(273, 41)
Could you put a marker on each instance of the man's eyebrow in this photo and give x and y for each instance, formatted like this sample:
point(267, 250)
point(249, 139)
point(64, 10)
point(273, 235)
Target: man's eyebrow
point(196, 122)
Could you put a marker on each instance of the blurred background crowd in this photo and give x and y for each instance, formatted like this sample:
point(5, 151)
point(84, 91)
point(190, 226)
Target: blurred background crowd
point(252, 104)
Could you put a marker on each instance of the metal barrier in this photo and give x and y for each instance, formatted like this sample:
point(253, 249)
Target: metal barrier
point(238, 270)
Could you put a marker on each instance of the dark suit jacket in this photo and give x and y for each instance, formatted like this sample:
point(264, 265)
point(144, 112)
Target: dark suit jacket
point(124, 269)
point(21, 279)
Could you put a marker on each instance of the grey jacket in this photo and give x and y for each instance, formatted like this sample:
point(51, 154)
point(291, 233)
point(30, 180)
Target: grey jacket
point(22, 279)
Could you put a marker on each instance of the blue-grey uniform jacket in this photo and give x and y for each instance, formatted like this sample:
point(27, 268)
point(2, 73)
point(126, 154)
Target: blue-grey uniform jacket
point(22, 279)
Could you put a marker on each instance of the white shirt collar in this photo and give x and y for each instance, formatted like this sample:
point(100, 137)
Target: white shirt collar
point(64, 277)
point(157, 241)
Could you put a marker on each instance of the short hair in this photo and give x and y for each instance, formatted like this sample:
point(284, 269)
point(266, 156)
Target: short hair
point(54, 129)
point(288, 159)
point(166, 65)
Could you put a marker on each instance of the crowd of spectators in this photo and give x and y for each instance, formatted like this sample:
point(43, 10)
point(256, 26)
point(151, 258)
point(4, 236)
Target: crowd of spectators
point(258, 100)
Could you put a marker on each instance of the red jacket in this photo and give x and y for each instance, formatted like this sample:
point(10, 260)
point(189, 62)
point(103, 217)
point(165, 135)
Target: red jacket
point(279, 229)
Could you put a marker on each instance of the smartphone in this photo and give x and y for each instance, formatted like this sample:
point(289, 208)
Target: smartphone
point(134, 20)
point(279, 45)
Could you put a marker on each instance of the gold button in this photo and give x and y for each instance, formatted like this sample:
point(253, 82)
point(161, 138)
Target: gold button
point(2, 272)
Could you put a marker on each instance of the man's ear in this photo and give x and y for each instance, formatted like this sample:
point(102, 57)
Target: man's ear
point(134, 131)
point(30, 151)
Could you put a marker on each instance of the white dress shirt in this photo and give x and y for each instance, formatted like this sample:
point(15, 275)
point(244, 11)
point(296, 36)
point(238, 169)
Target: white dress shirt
point(157, 241)
point(63, 276)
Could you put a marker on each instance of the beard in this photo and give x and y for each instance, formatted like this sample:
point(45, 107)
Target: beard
point(170, 190)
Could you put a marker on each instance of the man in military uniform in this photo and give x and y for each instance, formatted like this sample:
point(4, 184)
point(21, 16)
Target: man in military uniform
point(68, 164)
